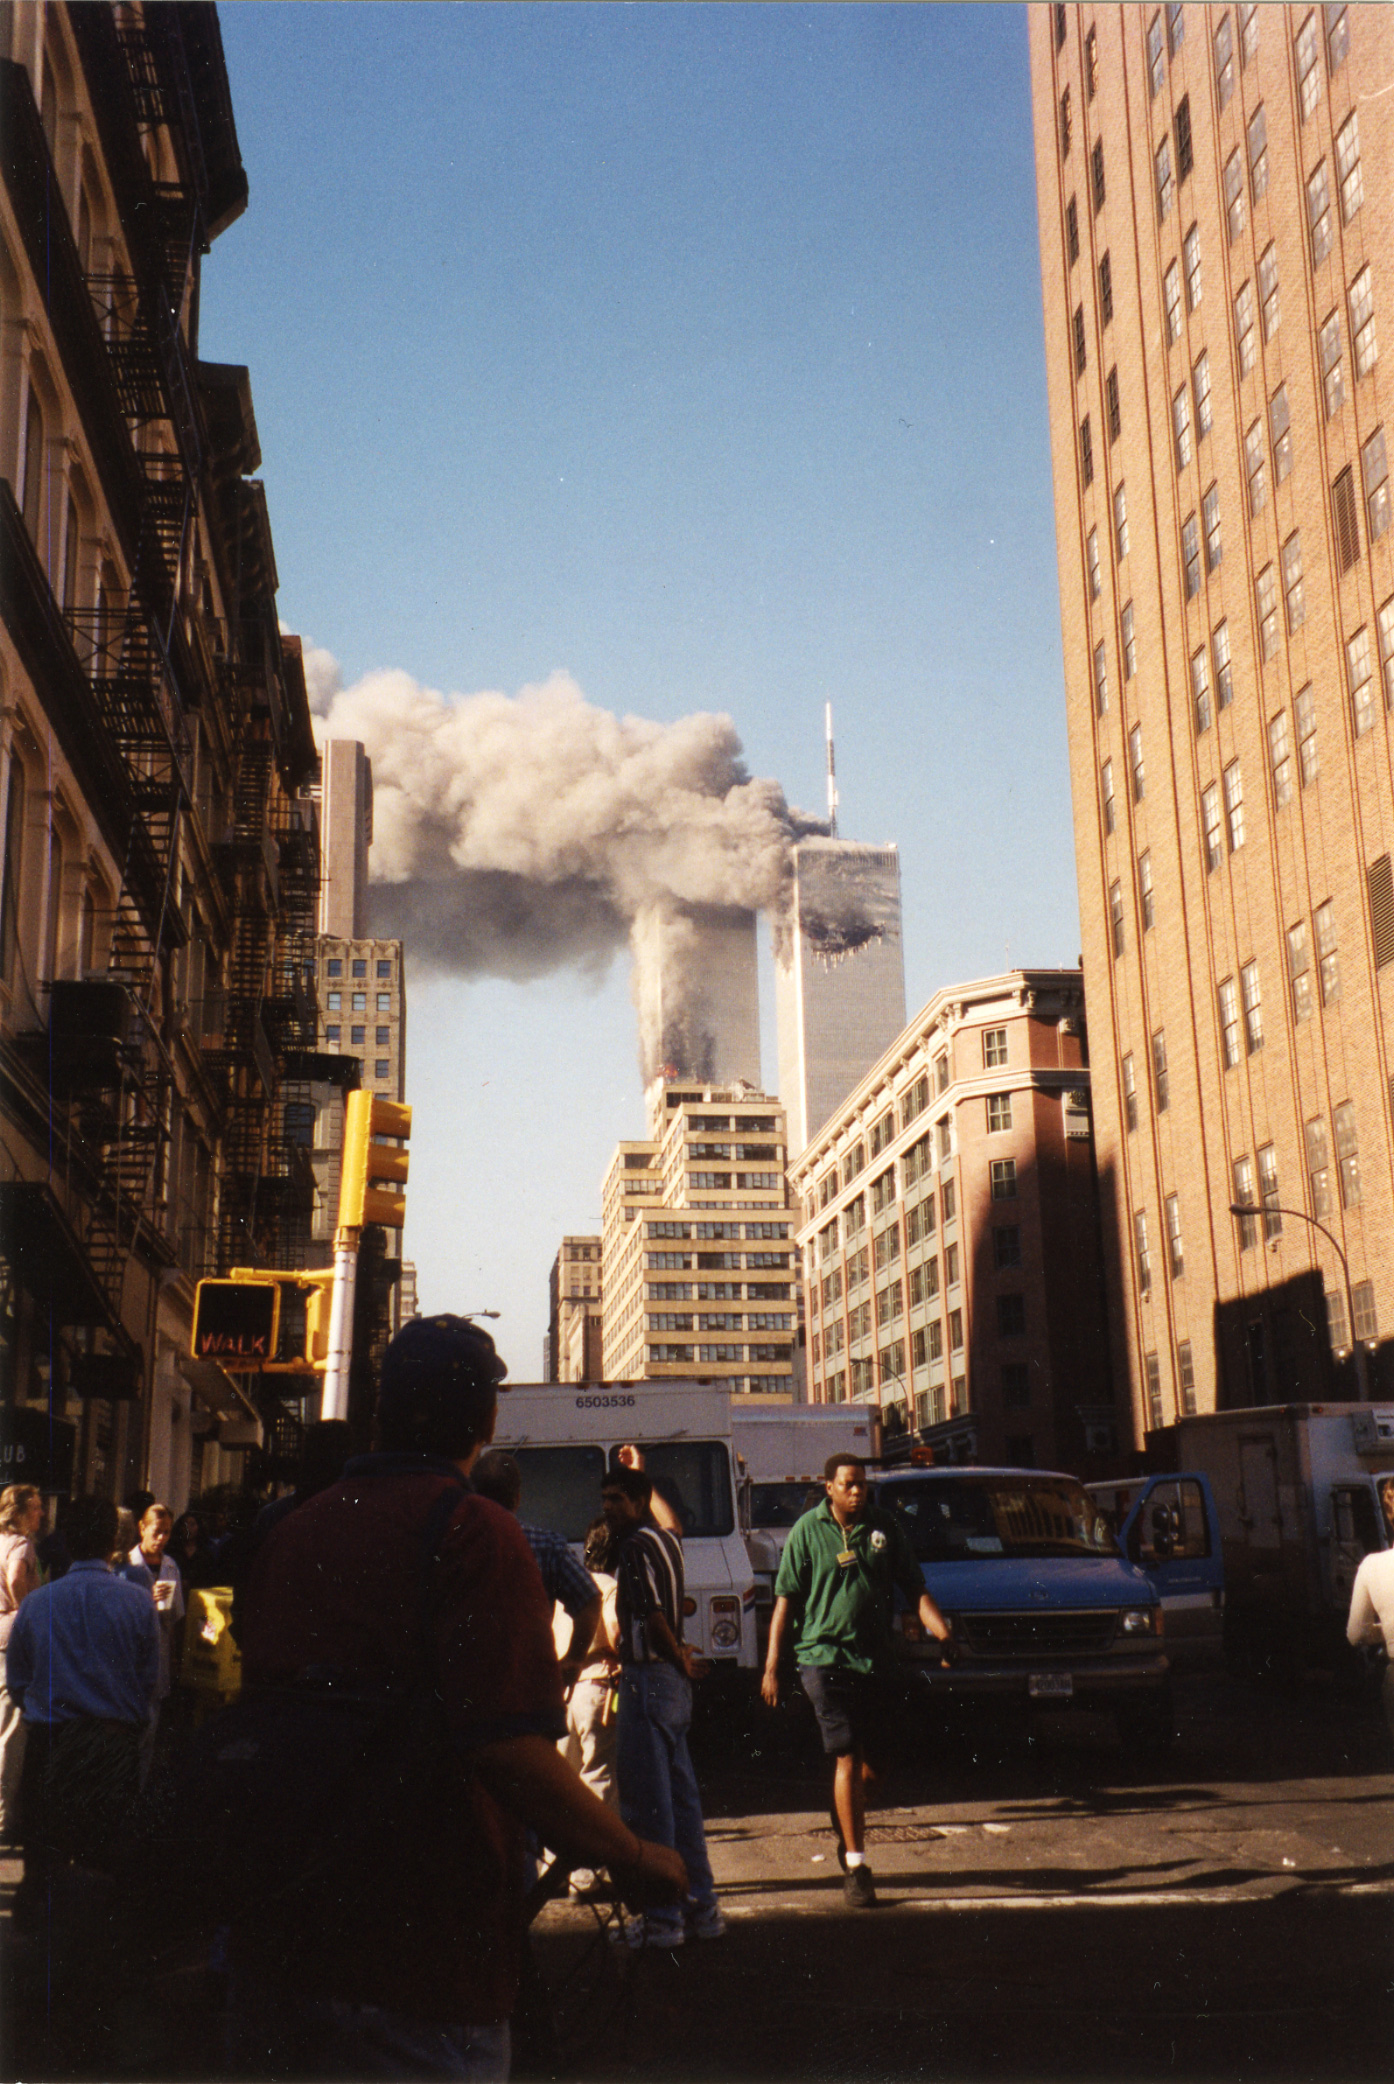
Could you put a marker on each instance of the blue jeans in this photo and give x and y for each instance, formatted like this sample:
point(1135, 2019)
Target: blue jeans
point(657, 1786)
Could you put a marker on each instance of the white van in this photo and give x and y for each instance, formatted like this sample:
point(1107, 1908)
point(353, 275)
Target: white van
point(565, 1435)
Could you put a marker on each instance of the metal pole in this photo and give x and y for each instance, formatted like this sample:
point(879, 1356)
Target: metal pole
point(335, 1401)
point(1362, 1377)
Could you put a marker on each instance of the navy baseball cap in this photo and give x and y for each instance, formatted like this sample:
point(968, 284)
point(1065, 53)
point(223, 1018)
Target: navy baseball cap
point(439, 1380)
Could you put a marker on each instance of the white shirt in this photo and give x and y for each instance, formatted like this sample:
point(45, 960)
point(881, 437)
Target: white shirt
point(1372, 1602)
point(140, 1573)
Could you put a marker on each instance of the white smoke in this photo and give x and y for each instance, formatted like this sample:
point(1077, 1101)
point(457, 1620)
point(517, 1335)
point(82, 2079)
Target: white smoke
point(514, 835)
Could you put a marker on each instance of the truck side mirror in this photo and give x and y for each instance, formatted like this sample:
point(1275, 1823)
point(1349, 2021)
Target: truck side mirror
point(1163, 1534)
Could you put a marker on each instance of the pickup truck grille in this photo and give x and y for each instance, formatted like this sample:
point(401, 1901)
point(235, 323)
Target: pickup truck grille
point(1036, 1635)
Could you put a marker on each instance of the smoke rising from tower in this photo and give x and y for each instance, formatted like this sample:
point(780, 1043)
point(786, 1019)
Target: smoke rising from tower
point(517, 835)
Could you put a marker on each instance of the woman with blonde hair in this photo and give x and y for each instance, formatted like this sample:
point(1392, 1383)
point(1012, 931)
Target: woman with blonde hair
point(21, 1516)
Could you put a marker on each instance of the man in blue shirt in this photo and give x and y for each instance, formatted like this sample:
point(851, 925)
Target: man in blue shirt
point(566, 1582)
point(83, 1658)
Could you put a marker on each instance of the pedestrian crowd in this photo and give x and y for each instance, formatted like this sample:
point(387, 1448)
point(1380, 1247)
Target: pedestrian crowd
point(438, 1701)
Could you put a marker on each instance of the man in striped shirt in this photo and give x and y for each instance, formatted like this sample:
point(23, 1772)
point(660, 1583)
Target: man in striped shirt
point(654, 1767)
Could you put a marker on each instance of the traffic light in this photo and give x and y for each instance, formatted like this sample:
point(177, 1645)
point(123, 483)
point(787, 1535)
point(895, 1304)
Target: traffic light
point(236, 1322)
point(373, 1174)
point(318, 1308)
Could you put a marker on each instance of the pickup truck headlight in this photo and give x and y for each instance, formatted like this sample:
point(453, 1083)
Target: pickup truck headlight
point(1141, 1620)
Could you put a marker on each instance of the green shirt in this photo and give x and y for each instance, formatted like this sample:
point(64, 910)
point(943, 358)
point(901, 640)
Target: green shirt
point(842, 1611)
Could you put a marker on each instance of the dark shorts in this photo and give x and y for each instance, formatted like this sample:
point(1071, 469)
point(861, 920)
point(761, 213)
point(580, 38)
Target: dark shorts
point(850, 1707)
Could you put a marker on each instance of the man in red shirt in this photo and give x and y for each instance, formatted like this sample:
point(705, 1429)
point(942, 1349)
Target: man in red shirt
point(382, 1581)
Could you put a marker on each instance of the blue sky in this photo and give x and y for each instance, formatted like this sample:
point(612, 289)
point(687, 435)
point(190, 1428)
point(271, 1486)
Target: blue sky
point(695, 351)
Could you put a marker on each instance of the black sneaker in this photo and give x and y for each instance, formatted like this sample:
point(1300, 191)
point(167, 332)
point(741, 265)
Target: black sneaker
point(837, 1833)
point(859, 1890)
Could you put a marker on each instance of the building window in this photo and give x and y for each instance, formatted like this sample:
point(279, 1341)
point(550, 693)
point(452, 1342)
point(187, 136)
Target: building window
point(1171, 297)
point(1307, 53)
point(1120, 521)
point(1191, 254)
point(1243, 1183)
point(1153, 1373)
point(334, 967)
point(385, 967)
point(1086, 451)
point(1011, 1316)
point(360, 967)
point(1136, 765)
point(1185, 153)
point(1100, 679)
point(1257, 136)
point(999, 1112)
point(380, 1067)
point(1091, 64)
point(1337, 38)
point(1280, 434)
point(1229, 1023)
point(1143, 1251)
point(1293, 595)
point(1176, 26)
point(1269, 299)
point(1236, 212)
point(357, 1038)
point(331, 1035)
point(1248, 36)
point(1181, 426)
point(1096, 171)
point(1348, 167)
point(1166, 184)
point(383, 1038)
point(360, 1002)
point(1156, 61)
point(1129, 642)
point(335, 1000)
point(1002, 1179)
point(1115, 416)
point(1016, 1386)
point(1328, 959)
point(1129, 1093)
point(1210, 818)
point(994, 1048)
point(1066, 126)
point(1386, 650)
point(1186, 1378)
point(955, 1331)
point(1332, 380)
point(1115, 916)
point(1300, 971)
point(1374, 469)
point(1360, 299)
point(1318, 1166)
point(1252, 998)
point(1161, 1081)
point(1146, 896)
point(1360, 677)
point(1072, 230)
point(1224, 60)
point(1175, 1250)
point(1201, 386)
point(1256, 468)
point(1096, 583)
point(1345, 519)
point(384, 1002)
point(1200, 689)
point(1362, 1296)
point(1077, 331)
point(1319, 214)
point(1266, 608)
point(1268, 1192)
point(1190, 555)
point(1234, 806)
point(1106, 292)
point(1006, 1245)
point(1347, 1155)
point(1280, 758)
point(941, 1074)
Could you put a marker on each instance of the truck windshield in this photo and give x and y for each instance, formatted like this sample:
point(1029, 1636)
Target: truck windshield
point(963, 1517)
point(561, 1485)
point(780, 1504)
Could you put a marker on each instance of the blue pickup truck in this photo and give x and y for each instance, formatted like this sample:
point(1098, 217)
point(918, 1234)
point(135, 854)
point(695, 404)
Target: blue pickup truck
point(1046, 1606)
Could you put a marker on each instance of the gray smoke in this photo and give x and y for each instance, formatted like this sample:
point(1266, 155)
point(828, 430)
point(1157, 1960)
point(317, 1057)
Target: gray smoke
point(516, 835)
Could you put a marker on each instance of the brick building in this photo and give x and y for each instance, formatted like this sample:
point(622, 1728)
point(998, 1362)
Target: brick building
point(574, 1351)
point(949, 1233)
point(1216, 199)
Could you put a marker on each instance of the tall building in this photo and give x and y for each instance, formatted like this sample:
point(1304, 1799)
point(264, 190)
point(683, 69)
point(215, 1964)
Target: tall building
point(1216, 196)
point(574, 1350)
point(696, 1247)
point(346, 833)
point(839, 976)
point(697, 985)
point(159, 853)
point(949, 1234)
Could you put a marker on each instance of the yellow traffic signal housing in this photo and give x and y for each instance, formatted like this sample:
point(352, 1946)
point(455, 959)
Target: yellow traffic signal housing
point(319, 1305)
point(370, 1185)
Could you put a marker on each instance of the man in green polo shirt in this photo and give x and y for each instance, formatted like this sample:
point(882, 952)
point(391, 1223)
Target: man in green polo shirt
point(837, 1579)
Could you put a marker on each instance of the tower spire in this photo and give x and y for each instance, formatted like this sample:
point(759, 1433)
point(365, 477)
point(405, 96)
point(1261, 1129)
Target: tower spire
point(832, 770)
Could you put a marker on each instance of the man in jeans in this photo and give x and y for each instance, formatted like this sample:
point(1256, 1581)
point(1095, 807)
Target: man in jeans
point(657, 1786)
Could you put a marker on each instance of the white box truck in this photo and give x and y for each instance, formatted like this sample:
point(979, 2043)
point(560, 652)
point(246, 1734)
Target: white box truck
point(565, 1435)
point(1298, 1489)
point(780, 1453)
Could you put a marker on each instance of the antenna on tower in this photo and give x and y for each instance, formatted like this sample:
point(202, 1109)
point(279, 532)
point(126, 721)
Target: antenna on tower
point(832, 770)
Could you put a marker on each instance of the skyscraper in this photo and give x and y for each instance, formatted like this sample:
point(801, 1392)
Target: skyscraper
point(697, 990)
point(573, 1346)
point(1217, 247)
point(839, 976)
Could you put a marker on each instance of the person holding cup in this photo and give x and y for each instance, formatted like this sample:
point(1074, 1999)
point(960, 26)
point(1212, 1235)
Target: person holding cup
point(149, 1566)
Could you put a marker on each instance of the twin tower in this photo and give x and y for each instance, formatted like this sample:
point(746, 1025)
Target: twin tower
point(839, 982)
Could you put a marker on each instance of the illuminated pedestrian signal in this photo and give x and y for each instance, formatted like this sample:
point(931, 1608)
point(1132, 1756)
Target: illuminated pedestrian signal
point(236, 1323)
point(374, 1173)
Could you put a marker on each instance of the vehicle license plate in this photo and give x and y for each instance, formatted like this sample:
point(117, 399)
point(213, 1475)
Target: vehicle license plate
point(1051, 1686)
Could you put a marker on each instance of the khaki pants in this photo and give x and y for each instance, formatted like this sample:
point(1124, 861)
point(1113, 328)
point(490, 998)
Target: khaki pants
point(590, 1740)
point(11, 1763)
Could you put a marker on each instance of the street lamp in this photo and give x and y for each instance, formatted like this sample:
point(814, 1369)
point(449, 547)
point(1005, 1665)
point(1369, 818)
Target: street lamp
point(1274, 1208)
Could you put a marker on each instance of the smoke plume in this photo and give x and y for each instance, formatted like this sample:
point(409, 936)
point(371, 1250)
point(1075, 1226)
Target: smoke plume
point(516, 835)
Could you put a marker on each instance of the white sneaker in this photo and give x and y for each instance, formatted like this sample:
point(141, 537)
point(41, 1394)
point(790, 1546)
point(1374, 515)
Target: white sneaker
point(643, 1932)
point(707, 1924)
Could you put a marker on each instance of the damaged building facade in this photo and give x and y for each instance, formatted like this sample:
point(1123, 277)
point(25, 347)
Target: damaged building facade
point(159, 848)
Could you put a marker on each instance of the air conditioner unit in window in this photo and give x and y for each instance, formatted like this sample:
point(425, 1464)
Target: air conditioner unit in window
point(1099, 1440)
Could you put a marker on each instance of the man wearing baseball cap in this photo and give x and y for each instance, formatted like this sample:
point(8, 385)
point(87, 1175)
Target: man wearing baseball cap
point(401, 1577)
